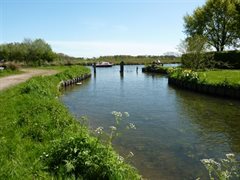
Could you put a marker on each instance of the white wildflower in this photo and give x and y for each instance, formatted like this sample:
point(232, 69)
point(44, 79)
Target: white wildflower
point(99, 130)
point(230, 156)
point(130, 154)
point(114, 112)
point(117, 114)
point(126, 114)
point(132, 126)
point(120, 158)
point(210, 162)
point(113, 128)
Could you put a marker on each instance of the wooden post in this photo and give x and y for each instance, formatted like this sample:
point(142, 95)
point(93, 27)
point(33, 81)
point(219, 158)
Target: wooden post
point(94, 68)
point(121, 67)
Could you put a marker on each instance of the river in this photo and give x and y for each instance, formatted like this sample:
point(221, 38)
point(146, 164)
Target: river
point(175, 128)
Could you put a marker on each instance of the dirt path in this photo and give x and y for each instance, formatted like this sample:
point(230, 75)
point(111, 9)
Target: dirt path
point(12, 80)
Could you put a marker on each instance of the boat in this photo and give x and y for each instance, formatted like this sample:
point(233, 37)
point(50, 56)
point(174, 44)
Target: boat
point(104, 64)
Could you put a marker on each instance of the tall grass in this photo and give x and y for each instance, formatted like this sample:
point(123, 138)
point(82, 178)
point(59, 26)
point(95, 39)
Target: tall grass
point(40, 139)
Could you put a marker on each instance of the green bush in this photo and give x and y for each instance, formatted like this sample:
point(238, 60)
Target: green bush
point(185, 75)
point(155, 69)
point(230, 59)
point(221, 60)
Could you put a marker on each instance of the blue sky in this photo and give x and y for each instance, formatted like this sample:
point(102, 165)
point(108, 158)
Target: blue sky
point(97, 27)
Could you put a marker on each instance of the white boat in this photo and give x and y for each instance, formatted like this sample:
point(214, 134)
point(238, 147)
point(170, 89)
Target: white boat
point(104, 64)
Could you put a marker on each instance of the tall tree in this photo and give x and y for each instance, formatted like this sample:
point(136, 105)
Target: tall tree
point(218, 21)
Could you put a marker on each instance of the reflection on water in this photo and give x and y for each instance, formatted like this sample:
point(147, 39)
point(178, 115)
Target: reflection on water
point(175, 128)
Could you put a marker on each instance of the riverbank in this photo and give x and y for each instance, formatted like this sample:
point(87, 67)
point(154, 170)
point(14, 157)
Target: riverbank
point(225, 83)
point(40, 139)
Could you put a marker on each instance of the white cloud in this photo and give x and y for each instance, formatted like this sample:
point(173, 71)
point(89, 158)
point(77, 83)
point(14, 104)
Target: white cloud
point(98, 48)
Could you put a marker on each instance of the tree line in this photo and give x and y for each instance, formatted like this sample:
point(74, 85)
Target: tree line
point(31, 52)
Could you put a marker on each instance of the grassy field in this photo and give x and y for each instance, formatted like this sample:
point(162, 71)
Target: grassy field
point(40, 139)
point(220, 76)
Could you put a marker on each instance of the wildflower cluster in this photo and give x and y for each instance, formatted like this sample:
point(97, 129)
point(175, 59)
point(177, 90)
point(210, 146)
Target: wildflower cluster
point(224, 169)
point(99, 130)
point(184, 75)
point(189, 75)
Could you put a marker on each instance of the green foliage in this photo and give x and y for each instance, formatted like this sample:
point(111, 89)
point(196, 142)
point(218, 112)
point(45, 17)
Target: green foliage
point(156, 69)
point(218, 21)
point(85, 157)
point(225, 169)
point(210, 60)
point(229, 59)
point(195, 58)
point(33, 121)
point(31, 52)
point(185, 75)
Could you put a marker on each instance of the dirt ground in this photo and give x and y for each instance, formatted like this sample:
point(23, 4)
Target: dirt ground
point(6, 82)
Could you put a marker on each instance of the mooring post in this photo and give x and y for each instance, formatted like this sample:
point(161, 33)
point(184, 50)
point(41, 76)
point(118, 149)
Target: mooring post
point(94, 68)
point(121, 67)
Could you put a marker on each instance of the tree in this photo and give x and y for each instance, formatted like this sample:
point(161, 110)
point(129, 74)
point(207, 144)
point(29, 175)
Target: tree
point(35, 52)
point(194, 55)
point(39, 52)
point(218, 21)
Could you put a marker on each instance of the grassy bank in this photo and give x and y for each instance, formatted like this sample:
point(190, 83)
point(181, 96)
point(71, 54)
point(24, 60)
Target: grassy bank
point(223, 83)
point(210, 77)
point(220, 76)
point(40, 139)
point(226, 78)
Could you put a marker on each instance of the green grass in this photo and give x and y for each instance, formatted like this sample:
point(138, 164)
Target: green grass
point(220, 76)
point(4, 73)
point(40, 139)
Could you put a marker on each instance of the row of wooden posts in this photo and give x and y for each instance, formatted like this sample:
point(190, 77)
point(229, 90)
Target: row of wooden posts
point(74, 80)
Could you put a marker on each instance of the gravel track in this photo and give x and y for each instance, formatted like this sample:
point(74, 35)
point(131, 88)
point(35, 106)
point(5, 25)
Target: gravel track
point(9, 81)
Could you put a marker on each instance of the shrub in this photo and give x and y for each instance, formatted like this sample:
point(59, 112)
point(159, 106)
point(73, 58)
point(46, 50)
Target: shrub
point(221, 60)
point(184, 74)
point(229, 59)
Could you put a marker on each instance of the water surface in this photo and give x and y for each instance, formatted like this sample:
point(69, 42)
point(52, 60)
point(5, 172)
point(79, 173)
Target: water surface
point(175, 128)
